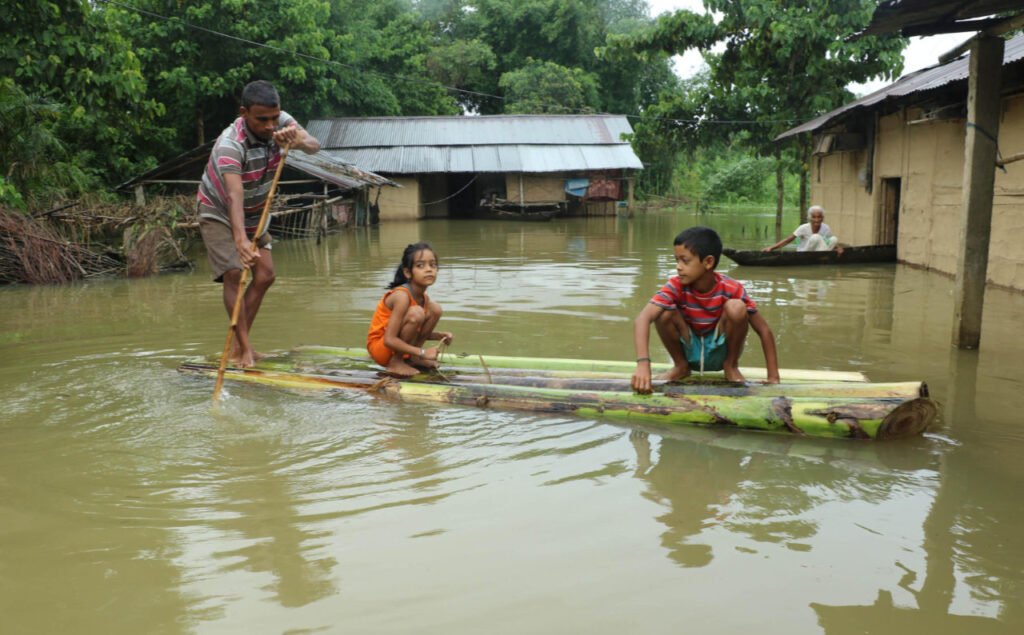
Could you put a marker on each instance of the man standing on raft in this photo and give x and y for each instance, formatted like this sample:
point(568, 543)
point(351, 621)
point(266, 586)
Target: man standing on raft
point(231, 196)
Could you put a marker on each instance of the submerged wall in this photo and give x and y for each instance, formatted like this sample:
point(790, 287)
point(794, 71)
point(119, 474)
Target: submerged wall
point(536, 188)
point(397, 203)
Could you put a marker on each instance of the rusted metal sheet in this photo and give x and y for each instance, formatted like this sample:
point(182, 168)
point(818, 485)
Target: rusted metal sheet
point(190, 165)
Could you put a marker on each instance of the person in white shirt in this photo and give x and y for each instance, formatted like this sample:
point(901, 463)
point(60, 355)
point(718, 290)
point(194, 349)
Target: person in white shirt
point(812, 236)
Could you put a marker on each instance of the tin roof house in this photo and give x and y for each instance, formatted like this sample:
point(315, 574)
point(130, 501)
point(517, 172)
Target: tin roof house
point(889, 167)
point(526, 166)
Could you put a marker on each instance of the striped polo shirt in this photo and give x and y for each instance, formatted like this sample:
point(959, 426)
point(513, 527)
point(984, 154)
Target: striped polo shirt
point(701, 310)
point(238, 151)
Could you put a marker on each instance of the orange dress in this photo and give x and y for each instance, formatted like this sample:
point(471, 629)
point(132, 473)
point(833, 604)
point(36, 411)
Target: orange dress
point(375, 338)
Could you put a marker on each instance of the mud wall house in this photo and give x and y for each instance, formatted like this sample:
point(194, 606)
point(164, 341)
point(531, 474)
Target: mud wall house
point(464, 166)
point(315, 191)
point(889, 167)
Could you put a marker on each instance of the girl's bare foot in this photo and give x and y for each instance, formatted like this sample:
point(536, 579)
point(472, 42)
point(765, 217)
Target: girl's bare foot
point(398, 367)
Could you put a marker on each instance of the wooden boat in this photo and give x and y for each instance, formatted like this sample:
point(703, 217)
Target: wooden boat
point(790, 258)
point(499, 209)
point(810, 403)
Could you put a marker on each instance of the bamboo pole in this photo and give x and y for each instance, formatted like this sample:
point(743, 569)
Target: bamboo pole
point(218, 385)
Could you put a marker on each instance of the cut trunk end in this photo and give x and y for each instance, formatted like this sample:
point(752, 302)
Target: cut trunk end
point(907, 420)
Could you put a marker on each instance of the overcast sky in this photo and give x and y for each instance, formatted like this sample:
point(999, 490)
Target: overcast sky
point(922, 51)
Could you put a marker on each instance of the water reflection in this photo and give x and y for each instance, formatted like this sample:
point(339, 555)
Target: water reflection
point(255, 501)
point(762, 488)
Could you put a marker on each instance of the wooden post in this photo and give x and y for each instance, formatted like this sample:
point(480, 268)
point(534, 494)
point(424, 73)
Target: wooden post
point(140, 195)
point(629, 195)
point(983, 99)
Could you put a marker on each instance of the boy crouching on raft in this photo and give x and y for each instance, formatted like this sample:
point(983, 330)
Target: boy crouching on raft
point(405, 317)
point(687, 311)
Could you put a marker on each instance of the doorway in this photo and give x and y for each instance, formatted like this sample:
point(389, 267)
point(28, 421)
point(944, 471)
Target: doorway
point(888, 227)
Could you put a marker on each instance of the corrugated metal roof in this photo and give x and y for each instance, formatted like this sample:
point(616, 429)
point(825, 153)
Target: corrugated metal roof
point(918, 82)
point(933, 16)
point(342, 133)
point(499, 158)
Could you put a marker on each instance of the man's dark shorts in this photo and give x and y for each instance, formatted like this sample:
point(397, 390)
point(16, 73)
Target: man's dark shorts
point(220, 247)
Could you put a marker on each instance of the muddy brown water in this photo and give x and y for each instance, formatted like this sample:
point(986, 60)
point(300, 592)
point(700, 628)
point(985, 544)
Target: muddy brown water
point(128, 505)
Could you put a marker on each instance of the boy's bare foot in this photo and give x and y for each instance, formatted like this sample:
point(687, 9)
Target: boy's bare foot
point(733, 374)
point(674, 373)
point(399, 368)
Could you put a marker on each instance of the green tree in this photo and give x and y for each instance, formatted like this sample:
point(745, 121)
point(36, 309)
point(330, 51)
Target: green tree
point(563, 32)
point(63, 53)
point(782, 63)
point(326, 58)
point(463, 65)
point(33, 161)
point(546, 87)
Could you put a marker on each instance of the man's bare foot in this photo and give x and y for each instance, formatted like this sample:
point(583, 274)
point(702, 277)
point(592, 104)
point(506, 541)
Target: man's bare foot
point(674, 373)
point(245, 359)
point(733, 374)
point(242, 361)
point(257, 356)
point(422, 362)
point(398, 367)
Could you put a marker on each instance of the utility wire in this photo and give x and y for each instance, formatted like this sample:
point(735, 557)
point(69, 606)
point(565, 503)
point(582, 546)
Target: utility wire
point(423, 82)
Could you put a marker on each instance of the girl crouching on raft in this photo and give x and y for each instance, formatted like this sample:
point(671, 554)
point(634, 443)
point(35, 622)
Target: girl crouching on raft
point(405, 317)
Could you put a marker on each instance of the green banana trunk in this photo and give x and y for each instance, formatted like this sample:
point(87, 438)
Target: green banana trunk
point(824, 417)
point(833, 417)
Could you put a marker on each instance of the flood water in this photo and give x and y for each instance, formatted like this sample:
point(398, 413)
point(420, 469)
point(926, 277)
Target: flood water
point(129, 505)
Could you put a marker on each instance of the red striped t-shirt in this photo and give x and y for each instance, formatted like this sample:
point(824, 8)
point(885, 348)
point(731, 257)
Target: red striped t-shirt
point(701, 310)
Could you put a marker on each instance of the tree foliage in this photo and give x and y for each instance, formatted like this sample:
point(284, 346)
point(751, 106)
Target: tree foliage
point(780, 63)
point(565, 33)
point(545, 87)
point(63, 53)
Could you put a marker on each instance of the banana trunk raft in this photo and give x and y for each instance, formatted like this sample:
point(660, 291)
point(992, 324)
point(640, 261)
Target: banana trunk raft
point(828, 404)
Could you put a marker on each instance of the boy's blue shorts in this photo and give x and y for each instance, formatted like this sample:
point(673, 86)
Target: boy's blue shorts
point(714, 348)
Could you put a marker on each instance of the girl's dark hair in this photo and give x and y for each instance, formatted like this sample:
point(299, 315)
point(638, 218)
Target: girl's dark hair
point(407, 261)
point(702, 241)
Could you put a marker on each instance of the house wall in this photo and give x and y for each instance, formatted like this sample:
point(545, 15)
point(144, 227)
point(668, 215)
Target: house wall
point(836, 188)
point(397, 203)
point(536, 188)
point(928, 157)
